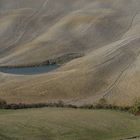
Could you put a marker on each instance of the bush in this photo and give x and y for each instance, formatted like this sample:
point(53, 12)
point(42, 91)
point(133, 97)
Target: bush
point(71, 106)
point(87, 106)
point(2, 103)
point(60, 104)
point(102, 104)
point(135, 109)
point(102, 101)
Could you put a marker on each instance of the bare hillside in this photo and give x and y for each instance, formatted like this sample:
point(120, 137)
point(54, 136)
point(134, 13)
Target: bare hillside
point(104, 33)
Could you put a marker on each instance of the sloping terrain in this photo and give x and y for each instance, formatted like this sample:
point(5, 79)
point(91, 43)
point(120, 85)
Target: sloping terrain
point(104, 33)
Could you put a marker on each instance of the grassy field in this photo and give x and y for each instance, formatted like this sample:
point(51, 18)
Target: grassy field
point(67, 124)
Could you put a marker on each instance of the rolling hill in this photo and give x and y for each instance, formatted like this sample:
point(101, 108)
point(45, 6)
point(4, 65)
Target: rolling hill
point(96, 41)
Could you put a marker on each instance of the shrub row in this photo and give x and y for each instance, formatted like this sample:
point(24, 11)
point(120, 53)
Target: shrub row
point(4, 105)
point(109, 106)
point(102, 104)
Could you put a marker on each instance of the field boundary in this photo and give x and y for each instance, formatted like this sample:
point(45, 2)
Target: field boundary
point(60, 104)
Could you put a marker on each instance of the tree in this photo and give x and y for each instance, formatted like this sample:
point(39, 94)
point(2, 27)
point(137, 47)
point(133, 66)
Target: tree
point(135, 109)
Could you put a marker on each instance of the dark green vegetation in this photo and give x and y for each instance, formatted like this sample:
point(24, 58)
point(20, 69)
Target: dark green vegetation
point(102, 104)
point(135, 109)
